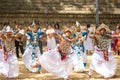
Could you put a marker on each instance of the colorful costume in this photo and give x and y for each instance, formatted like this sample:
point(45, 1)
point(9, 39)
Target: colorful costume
point(58, 61)
point(32, 51)
point(79, 58)
point(103, 61)
point(11, 58)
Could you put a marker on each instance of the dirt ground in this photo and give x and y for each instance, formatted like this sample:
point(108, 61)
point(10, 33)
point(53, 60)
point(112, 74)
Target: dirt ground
point(26, 75)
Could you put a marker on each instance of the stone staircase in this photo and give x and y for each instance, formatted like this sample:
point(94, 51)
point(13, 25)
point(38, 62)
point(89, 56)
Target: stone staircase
point(59, 6)
point(62, 9)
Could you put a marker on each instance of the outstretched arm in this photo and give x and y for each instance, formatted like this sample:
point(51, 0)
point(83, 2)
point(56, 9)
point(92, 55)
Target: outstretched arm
point(57, 36)
point(115, 36)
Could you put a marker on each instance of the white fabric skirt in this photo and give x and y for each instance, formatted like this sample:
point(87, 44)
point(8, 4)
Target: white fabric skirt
point(13, 65)
point(78, 62)
point(27, 57)
point(51, 62)
point(101, 66)
point(51, 43)
point(10, 67)
point(4, 67)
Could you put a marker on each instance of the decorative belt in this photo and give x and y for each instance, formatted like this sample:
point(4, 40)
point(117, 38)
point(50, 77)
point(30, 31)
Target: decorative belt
point(63, 55)
point(105, 52)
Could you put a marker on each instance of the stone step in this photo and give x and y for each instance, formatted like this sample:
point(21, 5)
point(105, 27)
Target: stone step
point(59, 5)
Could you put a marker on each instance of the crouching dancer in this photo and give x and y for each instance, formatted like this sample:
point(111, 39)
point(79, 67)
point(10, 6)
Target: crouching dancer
point(103, 61)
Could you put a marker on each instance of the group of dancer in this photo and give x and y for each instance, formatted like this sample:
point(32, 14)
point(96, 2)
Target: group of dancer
point(65, 53)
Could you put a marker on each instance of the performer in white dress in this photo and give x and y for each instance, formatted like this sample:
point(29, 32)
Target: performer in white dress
point(88, 40)
point(103, 61)
point(51, 42)
point(58, 61)
point(32, 51)
point(9, 56)
point(79, 58)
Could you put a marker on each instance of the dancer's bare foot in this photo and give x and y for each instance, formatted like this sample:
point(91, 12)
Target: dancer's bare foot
point(88, 76)
point(34, 66)
point(40, 72)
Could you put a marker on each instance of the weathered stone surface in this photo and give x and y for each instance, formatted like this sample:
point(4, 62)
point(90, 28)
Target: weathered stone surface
point(64, 11)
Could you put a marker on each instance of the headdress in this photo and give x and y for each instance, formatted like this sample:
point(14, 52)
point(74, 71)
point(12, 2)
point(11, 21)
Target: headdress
point(50, 31)
point(103, 26)
point(33, 23)
point(77, 24)
point(8, 29)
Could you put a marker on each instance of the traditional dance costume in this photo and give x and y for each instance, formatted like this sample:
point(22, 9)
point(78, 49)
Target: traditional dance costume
point(10, 57)
point(58, 61)
point(32, 51)
point(103, 61)
point(89, 41)
point(79, 58)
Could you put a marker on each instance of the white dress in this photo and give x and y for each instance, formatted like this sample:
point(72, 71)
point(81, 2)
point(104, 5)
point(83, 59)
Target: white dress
point(101, 66)
point(88, 42)
point(31, 53)
point(53, 62)
point(78, 60)
point(13, 65)
point(12, 61)
point(51, 42)
point(4, 67)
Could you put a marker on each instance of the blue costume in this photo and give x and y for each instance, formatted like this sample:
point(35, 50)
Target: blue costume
point(79, 51)
point(32, 51)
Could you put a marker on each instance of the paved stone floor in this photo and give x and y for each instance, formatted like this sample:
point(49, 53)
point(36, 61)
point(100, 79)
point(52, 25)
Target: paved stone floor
point(26, 75)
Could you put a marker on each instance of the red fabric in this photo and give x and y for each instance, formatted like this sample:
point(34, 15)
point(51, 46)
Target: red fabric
point(63, 57)
point(5, 54)
point(115, 42)
point(106, 55)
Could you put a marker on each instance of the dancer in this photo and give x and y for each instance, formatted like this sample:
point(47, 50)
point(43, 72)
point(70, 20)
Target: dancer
point(89, 48)
point(116, 44)
point(51, 43)
point(58, 61)
point(10, 58)
point(79, 58)
point(103, 61)
point(32, 51)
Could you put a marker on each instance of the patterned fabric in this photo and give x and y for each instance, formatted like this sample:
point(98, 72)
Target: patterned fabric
point(9, 44)
point(65, 47)
point(103, 42)
point(34, 37)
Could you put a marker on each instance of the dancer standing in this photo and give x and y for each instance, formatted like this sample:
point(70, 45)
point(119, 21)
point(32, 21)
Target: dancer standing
point(9, 56)
point(80, 57)
point(103, 61)
point(89, 48)
point(51, 43)
point(32, 51)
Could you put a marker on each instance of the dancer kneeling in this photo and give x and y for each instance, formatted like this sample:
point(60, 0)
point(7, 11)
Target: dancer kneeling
point(58, 61)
